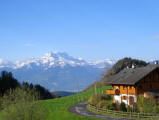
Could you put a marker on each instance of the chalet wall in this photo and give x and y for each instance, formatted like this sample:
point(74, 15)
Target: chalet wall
point(150, 82)
point(126, 89)
point(119, 99)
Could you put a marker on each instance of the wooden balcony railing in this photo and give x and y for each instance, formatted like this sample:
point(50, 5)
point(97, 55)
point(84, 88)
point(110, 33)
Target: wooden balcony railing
point(112, 92)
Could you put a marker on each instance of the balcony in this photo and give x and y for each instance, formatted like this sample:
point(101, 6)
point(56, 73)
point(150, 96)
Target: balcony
point(112, 92)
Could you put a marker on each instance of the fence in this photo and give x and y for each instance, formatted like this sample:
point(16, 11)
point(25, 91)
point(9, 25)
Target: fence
point(122, 114)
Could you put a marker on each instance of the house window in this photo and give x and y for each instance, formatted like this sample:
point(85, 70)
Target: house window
point(131, 100)
point(124, 97)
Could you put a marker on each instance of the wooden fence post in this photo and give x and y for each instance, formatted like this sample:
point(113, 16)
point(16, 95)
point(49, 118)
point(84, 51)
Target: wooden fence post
point(138, 115)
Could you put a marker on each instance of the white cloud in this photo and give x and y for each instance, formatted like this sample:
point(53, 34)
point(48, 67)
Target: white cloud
point(156, 36)
point(53, 83)
point(28, 44)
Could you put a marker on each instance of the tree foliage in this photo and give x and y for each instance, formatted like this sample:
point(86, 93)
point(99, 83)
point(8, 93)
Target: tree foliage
point(43, 92)
point(147, 105)
point(7, 81)
point(20, 104)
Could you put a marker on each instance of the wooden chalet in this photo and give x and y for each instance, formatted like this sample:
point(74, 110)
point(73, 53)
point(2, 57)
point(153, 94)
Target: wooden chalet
point(131, 82)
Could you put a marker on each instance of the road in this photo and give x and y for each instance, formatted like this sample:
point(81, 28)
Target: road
point(80, 109)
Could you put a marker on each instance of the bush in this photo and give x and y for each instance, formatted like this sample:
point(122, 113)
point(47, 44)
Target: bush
point(94, 99)
point(122, 107)
point(111, 106)
point(21, 105)
point(106, 97)
point(102, 104)
point(147, 105)
point(129, 109)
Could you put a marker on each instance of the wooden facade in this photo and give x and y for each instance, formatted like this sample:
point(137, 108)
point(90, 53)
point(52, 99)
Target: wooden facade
point(150, 82)
point(128, 93)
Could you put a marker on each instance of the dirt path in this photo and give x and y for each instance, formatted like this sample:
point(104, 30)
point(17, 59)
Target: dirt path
point(80, 109)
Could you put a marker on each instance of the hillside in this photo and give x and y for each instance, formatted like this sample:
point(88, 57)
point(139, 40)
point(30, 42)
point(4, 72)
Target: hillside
point(63, 93)
point(122, 64)
point(58, 108)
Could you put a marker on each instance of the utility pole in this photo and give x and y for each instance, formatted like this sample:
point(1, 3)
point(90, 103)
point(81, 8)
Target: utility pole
point(95, 87)
point(78, 90)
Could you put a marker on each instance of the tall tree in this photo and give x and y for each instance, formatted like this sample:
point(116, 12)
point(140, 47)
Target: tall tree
point(7, 81)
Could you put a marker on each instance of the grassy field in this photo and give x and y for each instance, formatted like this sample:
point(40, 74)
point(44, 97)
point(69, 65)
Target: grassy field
point(58, 108)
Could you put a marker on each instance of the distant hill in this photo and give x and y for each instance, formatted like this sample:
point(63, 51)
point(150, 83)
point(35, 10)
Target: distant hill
point(63, 93)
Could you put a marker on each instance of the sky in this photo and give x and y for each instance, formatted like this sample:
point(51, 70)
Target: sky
point(91, 29)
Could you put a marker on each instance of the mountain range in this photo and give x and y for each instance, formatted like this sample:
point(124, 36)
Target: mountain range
point(57, 71)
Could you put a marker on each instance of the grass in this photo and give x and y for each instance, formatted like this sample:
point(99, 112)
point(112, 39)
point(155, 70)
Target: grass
point(111, 114)
point(58, 108)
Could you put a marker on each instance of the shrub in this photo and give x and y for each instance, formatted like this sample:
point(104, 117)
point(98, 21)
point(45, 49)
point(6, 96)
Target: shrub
point(111, 106)
point(140, 103)
point(94, 99)
point(129, 109)
point(21, 105)
point(147, 105)
point(106, 97)
point(122, 107)
point(102, 104)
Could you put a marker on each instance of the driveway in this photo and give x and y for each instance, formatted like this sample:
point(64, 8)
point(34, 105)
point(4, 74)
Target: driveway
point(80, 109)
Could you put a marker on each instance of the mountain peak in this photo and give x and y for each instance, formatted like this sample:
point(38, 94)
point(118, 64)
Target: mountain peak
point(54, 59)
point(49, 54)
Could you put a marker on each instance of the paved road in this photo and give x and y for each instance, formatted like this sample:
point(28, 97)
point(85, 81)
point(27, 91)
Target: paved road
point(80, 109)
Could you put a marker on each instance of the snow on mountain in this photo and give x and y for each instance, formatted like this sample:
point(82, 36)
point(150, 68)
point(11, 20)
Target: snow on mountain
point(51, 59)
point(6, 64)
point(57, 70)
point(54, 59)
point(104, 63)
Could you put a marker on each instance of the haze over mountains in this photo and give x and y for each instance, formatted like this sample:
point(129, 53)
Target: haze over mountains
point(57, 71)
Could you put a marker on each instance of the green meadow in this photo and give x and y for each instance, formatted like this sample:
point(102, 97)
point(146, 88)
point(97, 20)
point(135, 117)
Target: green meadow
point(58, 108)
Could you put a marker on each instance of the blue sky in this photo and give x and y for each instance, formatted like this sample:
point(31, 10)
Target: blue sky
point(91, 29)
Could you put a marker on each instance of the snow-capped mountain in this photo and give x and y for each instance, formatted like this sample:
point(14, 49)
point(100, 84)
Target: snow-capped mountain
point(51, 59)
point(5, 63)
point(57, 70)
point(104, 63)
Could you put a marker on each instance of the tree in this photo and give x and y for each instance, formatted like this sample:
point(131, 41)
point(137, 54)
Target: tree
point(44, 93)
point(147, 105)
point(22, 105)
point(7, 81)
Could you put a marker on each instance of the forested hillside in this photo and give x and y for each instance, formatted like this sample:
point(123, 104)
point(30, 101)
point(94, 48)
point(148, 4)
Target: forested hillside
point(121, 64)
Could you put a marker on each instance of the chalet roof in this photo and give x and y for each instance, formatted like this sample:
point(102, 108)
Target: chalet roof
point(130, 76)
